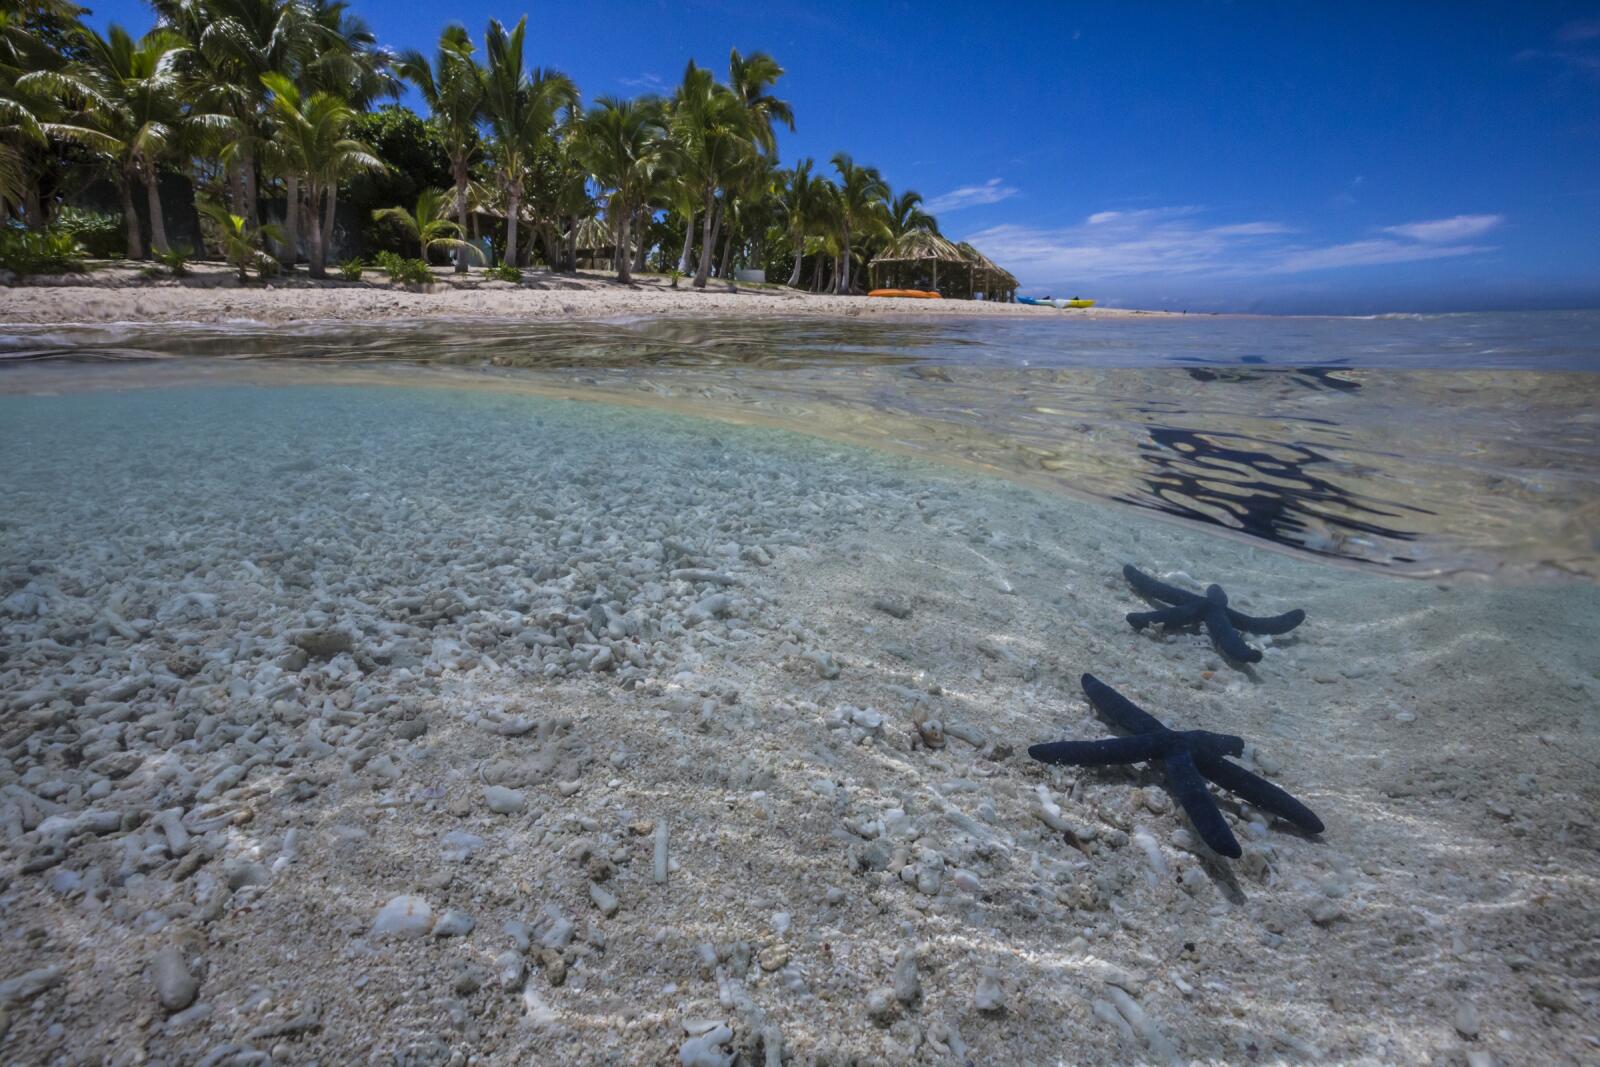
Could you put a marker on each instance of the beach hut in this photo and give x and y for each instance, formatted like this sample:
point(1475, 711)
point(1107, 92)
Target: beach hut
point(596, 243)
point(914, 261)
point(922, 259)
point(990, 279)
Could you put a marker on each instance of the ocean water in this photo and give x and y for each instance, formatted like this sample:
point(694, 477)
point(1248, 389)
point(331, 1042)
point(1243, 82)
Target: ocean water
point(706, 658)
point(1430, 445)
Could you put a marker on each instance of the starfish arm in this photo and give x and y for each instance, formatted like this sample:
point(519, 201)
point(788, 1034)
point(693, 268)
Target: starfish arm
point(1182, 615)
point(1267, 624)
point(1227, 639)
point(1205, 743)
point(1260, 792)
point(1157, 590)
point(1134, 749)
point(1118, 708)
point(1183, 778)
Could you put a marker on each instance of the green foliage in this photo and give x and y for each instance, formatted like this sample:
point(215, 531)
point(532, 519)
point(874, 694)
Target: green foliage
point(176, 259)
point(242, 244)
point(101, 233)
point(505, 272)
point(677, 275)
point(417, 161)
point(54, 252)
point(403, 271)
point(350, 270)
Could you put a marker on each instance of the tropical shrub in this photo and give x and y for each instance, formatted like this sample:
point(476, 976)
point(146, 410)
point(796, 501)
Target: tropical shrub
point(505, 272)
point(242, 244)
point(101, 234)
point(176, 259)
point(404, 271)
point(350, 270)
point(53, 252)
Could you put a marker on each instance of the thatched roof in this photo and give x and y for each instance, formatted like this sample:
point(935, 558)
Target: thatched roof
point(920, 245)
point(594, 233)
point(983, 262)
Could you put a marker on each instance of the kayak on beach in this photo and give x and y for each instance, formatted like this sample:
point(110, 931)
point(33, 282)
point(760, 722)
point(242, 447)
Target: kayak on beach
point(1055, 302)
point(916, 294)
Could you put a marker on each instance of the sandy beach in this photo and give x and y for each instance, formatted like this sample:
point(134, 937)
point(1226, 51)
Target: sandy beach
point(213, 295)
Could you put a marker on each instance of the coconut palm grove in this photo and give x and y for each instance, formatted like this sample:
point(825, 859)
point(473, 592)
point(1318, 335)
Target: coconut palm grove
point(269, 133)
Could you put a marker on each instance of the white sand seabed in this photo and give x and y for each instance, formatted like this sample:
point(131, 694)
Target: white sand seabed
point(212, 295)
point(264, 654)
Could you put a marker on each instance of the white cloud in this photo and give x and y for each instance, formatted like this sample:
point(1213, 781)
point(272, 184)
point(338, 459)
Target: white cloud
point(1456, 228)
point(1370, 253)
point(990, 192)
point(647, 80)
point(1176, 241)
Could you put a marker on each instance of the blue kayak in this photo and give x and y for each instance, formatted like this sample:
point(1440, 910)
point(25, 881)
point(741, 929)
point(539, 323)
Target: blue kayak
point(1056, 302)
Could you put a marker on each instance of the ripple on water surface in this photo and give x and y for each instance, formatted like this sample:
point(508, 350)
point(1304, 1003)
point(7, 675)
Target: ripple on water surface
point(1428, 444)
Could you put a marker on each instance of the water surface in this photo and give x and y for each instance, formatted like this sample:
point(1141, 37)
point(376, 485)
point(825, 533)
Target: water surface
point(1430, 445)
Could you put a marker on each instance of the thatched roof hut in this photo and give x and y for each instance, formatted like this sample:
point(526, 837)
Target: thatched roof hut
point(596, 242)
point(922, 259)
point(992, 280)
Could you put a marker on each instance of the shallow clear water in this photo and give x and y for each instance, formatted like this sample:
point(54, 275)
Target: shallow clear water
point(1431, 445)
point(343, 598)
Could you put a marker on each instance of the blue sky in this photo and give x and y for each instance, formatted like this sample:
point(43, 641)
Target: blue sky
point(1228, 156)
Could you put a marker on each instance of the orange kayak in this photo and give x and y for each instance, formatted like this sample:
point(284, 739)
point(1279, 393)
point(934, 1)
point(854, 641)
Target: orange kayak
point(918, 294)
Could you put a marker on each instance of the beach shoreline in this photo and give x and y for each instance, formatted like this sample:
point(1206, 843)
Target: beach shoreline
point(211, 294)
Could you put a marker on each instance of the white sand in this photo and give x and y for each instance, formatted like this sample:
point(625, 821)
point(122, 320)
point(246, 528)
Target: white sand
point(120, 294)
point(1447, 736)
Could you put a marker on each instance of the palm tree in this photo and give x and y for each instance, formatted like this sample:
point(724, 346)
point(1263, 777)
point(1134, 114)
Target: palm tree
point(127, 92)
point(453, 90)
point(622, 144)
point(233, 44)
point(906, 214)
point(522, 107)
point(710, 133)
point(861, 191)
point(749, 80)
point(241, 242)
point(802, 194)
point(312, 136)
point(340, 55)
point(430, 225)
point(30, 116)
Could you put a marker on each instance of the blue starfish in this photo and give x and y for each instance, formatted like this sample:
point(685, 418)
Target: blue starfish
point(1189, 757)
point(1212, 609)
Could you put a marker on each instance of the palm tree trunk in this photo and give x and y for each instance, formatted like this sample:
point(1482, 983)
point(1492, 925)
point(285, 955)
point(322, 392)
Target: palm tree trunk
point(130, 219)
point(291, 221)
point(252, 211)
point(799, 258)
point(158, 224)
point(621, 254)
point(688, 245)
point(315, 251)
point(708, 242)
point(727, 255)
point(843, 269)
point(513, 209)
point(327, 220)
point(461, 216)
point(569, 259)
point(32, 206)
point(640, 225)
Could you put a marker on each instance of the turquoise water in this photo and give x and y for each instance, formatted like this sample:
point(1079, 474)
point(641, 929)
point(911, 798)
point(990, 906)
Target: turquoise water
point(1430, 445)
